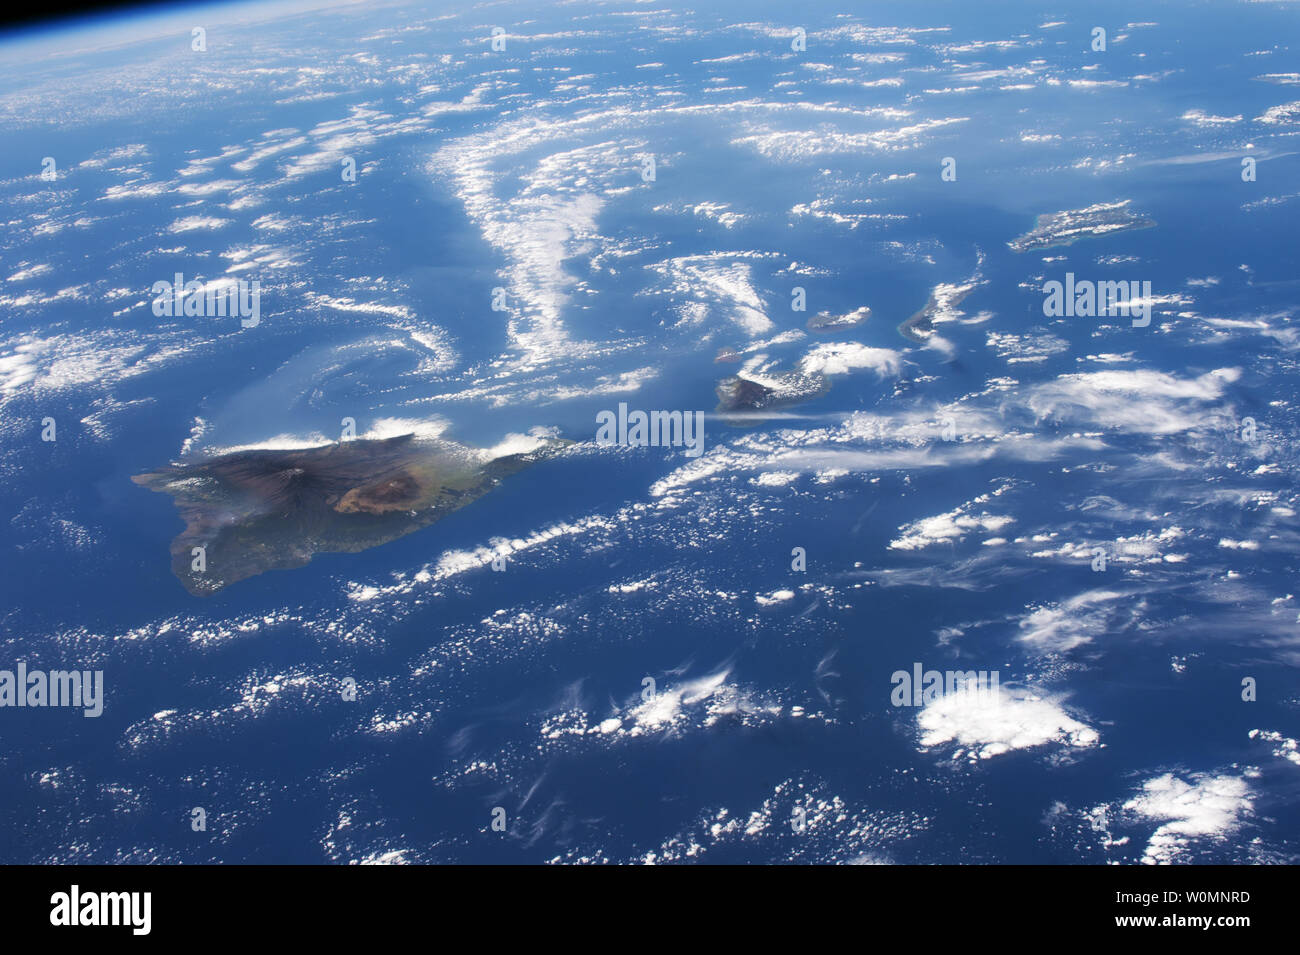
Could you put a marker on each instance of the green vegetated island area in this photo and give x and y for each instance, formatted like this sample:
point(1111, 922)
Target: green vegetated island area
point(259, 510)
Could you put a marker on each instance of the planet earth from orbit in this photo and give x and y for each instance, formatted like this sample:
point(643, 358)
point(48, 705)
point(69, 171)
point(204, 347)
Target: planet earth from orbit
point(641, 433)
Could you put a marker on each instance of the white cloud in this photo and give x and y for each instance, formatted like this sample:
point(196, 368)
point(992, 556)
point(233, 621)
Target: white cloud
point(841, 358)
point(954, 525)
point(1206, 807)
point(986, 724)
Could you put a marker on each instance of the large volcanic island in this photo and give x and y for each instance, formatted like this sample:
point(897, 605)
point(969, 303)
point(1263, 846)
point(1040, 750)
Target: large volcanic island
point(260, 510)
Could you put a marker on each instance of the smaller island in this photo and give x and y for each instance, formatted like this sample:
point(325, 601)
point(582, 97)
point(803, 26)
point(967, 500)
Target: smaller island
point(1066, 228)
point(744, 400)
point(826, 322)
point(943, 299)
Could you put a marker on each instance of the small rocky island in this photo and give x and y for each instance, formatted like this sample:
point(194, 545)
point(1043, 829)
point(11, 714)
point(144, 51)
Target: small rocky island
point(1067, 227)
point(826, 322)
point(943, 301)
point(254, 511)
point(743, 400)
